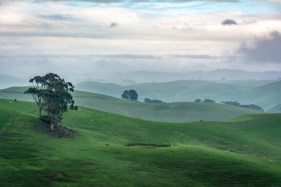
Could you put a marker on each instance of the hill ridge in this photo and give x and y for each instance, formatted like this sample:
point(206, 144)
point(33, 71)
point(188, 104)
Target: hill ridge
point(165, 112)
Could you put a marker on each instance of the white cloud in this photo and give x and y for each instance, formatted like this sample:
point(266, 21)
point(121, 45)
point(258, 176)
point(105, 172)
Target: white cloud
point(52, 29)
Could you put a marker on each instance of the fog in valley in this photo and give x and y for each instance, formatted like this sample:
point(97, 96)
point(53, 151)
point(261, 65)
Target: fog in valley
point(139, 42)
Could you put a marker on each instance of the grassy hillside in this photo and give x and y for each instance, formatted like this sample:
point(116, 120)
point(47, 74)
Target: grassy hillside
point(268, 95)
point(165, 112)
point(263, 93)
point(242, 152)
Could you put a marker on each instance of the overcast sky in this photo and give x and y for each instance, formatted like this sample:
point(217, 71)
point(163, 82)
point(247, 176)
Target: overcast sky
point(83, 37)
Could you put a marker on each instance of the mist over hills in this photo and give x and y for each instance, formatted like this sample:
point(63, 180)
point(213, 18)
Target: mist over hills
point(260, 88)
point(136, 77)
point(220, 74)
point(276, 109)
point(264, 93)
point(9, 81)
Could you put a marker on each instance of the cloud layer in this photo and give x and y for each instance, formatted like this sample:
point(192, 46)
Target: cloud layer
point(263, 49)
point(93, 38)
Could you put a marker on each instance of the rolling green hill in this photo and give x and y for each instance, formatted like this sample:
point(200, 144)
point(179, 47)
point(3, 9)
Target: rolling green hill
point(268, 95)
point(165, 112)
point(264, 93)
point(244, 151)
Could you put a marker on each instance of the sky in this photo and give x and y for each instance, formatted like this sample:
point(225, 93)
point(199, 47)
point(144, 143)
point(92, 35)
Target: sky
point(97, 37)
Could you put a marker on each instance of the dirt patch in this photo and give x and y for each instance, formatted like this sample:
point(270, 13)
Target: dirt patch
point(148, 145)
point(59, 176)
point(60, 132)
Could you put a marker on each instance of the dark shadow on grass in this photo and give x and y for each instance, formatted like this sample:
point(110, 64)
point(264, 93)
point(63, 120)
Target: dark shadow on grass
point(60, 132)
point(147, 145)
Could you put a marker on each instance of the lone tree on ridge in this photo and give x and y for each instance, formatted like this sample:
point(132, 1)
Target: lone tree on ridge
point(52, 94)
point(125, 95)
point(130, 95)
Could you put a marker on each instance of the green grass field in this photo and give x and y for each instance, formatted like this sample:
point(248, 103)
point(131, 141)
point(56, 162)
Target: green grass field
point(164, 112)
point(244, 151)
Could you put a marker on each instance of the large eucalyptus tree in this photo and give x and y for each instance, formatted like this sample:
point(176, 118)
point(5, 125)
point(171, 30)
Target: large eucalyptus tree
point(52, 94)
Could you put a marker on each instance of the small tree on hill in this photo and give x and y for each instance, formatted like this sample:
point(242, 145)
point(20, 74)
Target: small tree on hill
point(125, 95)
point(197, 100)
point(52, 94)
point(209, 101)
point(133, 95)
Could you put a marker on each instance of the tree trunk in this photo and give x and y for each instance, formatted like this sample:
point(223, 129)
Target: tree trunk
point(40, 112)
point(54, 123)
point(52, 126)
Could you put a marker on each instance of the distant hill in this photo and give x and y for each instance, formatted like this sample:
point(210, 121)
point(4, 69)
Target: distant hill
point(219, 74)
point(9, 81)
point(276, 109)
point(176, 91)
point(267, 96)
point(165, 112)
point(264, 93)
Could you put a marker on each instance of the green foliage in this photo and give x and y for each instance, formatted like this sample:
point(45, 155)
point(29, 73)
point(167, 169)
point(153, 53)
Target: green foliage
point(235, 103)
point(51, 93)
point(197, 101)
point(147, 100)
point(125, 95)
point(131, 95)
point(209, 101)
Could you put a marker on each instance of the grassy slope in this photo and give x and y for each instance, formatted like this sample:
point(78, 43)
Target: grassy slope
point(267, 95)
point(165, 112)
point(264, 93)
point(241, 152)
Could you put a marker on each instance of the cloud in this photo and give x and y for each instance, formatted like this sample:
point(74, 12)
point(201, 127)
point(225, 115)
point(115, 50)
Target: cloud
point(275, 1)
point(195, 56)
point(149, 1)
point(62, 34)
point(113, 25)
point(56, 17)
point(264, 49)
point(229, 22)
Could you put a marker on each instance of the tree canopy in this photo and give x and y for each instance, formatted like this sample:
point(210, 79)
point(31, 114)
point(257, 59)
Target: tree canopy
point(130, 95)
point(52, 94)
point(125, 95)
